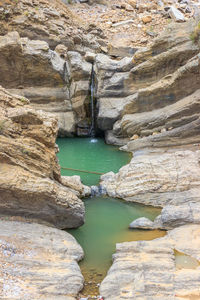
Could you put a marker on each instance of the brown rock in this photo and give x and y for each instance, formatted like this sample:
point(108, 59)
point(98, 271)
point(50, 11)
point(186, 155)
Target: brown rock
point(146, 19)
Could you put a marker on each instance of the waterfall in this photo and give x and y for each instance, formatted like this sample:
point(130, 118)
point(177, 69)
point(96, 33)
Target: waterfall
point(92, 102)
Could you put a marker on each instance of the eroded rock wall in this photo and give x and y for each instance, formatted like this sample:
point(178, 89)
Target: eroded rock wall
point(30, 180)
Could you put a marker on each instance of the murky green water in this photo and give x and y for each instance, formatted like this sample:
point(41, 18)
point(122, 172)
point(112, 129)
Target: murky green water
point(83, 154)
point(107, 219)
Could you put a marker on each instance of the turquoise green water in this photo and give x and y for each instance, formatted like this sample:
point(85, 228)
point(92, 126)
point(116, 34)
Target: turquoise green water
point(82, 154)
point(107, 219)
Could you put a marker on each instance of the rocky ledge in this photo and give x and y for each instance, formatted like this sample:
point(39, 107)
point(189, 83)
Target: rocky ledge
point(147, 270)
point(30, 182)
point(157, 177)
point(38, 262)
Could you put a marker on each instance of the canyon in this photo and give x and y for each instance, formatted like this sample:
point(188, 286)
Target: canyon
point(146, 101)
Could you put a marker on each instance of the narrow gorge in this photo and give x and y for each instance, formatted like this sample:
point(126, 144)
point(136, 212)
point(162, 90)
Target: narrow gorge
point(79, 218)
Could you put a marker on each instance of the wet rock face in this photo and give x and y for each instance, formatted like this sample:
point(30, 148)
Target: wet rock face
point(148, 270)
point(30, 181)
point(38, 262)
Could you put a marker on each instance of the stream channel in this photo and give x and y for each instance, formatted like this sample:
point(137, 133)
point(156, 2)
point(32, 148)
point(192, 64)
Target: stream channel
point(107, 219)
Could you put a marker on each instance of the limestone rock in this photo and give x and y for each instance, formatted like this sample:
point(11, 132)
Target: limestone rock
point(90, 57)
point(133, 3)
point(158, 178)
point(147, 19)
point(140, 269)
point(142, 223)
point(30, 180)
point(114, 140)
point(176, 14)
point(38, 262)
point(148, 80)
point(134, 137)
point(147, 269)
point(173, 216)
point(74, 183)
point(61, 50)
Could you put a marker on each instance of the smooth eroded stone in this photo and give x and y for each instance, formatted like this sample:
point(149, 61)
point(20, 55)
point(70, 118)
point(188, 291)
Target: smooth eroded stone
point(38, 262)
point(142, 223)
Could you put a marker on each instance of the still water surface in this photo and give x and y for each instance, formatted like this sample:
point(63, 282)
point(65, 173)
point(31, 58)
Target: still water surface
point(107, 219)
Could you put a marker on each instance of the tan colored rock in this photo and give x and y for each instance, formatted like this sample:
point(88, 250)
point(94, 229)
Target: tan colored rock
point(61, 50)
point(134, 137)
point(133, 3)
point(146, 19)
point(163, 130)
point(129, 7)
point(38, 262)
point(30, 180)
point(148, 269)
point(158, 178)
point(155, 133)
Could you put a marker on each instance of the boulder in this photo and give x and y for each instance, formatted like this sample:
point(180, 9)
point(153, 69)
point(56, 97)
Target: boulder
point(141, 223)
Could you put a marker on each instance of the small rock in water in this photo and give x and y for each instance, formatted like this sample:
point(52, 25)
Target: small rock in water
point(142, 223)
point(94, 190)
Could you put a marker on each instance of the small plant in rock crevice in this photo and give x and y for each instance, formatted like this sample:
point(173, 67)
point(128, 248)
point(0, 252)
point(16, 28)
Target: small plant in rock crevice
point(25, 151)
point(195, 35)
point(2, 126)
point(23, 100)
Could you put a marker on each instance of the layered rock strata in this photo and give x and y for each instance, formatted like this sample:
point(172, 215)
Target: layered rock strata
point(38, 262)
point(55, 81)
point(52, 22)
point(161, 177)
point(147, 100)
point(148, 269)
point(30, 180)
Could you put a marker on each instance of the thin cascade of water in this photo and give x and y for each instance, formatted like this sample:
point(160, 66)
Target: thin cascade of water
point(92, 104)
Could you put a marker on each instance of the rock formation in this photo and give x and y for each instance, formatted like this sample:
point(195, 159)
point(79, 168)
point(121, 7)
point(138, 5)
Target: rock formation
point(38, 262)
point(157, 178)
point(147, 100)
point(30, 181)
point(148, 269)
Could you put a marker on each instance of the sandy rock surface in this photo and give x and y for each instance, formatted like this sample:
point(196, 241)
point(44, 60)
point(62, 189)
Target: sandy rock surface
point(38, 262)
point(148, 269)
